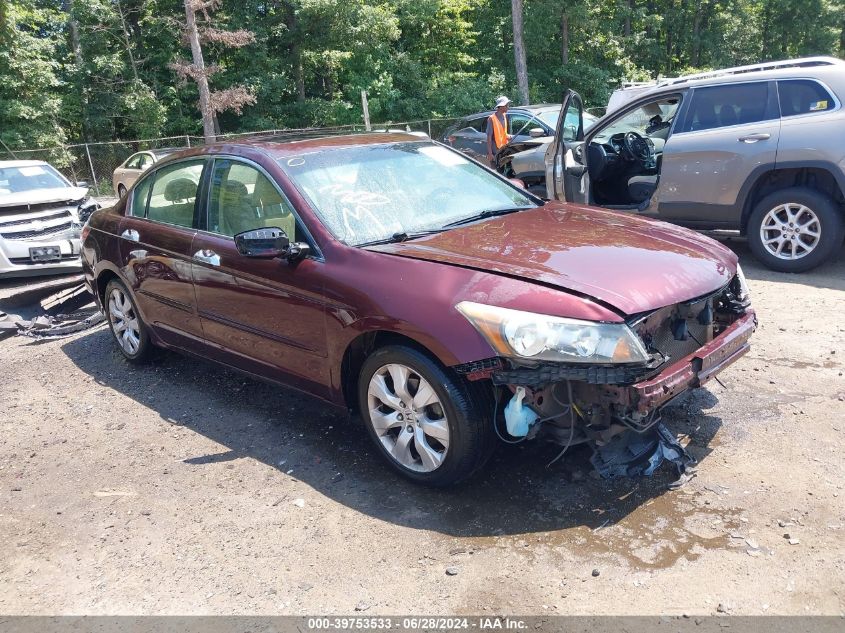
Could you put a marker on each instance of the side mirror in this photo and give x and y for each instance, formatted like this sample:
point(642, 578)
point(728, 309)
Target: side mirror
point(82, 183)
point(297, 251)
point(266, 242)
point(536, 132)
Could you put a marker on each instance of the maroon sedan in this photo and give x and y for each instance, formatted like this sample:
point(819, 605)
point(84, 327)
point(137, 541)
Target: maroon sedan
point(392, 275)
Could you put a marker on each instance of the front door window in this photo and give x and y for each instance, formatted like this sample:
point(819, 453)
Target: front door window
point(243, 198)
point(626, 155)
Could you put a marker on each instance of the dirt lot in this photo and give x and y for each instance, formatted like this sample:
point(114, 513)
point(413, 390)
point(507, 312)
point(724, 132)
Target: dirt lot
point(184, 488)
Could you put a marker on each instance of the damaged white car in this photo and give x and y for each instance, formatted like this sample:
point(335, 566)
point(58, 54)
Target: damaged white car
point(41, 214)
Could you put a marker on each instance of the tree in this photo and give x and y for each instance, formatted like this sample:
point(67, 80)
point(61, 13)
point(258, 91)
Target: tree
point(519, 51)
point(210, 103)
point(29, 85)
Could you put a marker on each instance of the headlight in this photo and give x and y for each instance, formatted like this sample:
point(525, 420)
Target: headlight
point(525, 335)
point(744, 292)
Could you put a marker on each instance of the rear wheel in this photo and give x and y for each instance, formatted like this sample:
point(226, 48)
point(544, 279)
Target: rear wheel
point(121, 191)
point(794, 230)
point(129, 331)
point(424, 421)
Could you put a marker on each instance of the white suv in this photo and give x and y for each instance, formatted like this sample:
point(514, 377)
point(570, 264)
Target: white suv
point(41, 214)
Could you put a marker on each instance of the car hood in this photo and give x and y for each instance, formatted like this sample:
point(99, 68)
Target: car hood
point(631, 264)
point(42, 196)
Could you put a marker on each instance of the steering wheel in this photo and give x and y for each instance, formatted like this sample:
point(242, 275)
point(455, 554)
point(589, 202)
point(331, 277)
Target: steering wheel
point(638, 149)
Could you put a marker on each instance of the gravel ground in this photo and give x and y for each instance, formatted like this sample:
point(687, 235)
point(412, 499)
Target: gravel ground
point(183, 488)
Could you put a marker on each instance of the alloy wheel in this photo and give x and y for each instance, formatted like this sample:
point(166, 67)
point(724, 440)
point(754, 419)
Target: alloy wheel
point(124, 322)
point(408, 417)
point(790, 231)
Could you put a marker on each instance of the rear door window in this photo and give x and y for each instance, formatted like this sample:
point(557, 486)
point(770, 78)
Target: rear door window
point(478, 124)
point(803, 96)
point(174, 193)
point(134, 162)
point(723, 106)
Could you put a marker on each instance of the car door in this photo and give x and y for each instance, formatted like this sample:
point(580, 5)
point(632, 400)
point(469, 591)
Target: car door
point(155, 249)
point(264, 315)
point(128, 172)
point(145, 161)
point(566, 174)
point(729, 133)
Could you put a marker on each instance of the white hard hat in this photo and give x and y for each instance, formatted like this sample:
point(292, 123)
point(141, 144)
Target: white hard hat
point(502, 101)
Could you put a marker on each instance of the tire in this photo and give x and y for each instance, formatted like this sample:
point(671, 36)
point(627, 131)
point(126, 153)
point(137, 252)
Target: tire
point(819, 225)
point(445, 442)
point(121, 191)
point(123, 316)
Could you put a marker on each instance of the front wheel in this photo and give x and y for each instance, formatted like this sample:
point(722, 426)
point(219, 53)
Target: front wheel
point(794, 230)
point(425, 422)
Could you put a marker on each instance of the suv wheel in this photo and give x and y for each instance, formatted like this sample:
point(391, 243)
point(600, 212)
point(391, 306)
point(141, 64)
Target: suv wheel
point(794, 230)
point(424, 422)
point(129, 331)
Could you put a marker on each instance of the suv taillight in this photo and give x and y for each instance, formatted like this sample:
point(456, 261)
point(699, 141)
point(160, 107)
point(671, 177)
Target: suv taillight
point(83, 234)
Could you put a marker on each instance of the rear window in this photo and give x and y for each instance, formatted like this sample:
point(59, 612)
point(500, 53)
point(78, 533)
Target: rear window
point(479, 124)
point(803, 96)
point(723, 106)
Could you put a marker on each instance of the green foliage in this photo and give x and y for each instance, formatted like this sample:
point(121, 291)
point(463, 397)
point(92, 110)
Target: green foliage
point(30, 87)
point(415, 58)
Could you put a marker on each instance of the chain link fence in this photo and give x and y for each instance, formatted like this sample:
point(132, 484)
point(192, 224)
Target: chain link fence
point(94, 163)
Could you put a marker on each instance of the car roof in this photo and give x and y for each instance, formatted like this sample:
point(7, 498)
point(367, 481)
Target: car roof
point(534, 109)
point(278, 148)
point(21, 163)
point(800, 68)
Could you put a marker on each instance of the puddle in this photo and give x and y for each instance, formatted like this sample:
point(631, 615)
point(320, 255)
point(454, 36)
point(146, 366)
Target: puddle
point(656, 535)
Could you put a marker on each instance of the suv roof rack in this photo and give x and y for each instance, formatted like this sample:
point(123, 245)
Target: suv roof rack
point(801, 62)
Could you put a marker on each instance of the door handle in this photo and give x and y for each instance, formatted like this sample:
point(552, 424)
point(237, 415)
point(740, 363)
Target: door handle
point(207, 256)
point(131, 234)
point(753, 138)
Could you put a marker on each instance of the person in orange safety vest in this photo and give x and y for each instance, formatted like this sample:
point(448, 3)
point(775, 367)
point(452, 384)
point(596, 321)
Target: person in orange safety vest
point(497, 129)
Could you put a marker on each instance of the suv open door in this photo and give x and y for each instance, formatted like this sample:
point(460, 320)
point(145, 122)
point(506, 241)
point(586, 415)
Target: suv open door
point(566, 170)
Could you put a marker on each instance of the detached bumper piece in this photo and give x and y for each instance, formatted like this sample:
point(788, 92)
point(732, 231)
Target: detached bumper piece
point(632, 454)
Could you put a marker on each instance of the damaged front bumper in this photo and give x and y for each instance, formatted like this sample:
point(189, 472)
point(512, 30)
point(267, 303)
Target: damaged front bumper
point(617, 409)
point(625, 386)
point(694, 370)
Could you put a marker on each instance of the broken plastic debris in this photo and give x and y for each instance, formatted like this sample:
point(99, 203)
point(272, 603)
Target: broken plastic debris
point(631, 454)
point(518, 417)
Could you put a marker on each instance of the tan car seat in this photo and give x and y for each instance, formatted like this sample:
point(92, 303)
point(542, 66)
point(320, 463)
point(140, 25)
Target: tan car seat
point(236, 212)
point(273, 208)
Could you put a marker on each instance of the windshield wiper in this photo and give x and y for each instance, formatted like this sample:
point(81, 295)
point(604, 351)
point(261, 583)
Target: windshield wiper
point(400, 236)
point(487, 213)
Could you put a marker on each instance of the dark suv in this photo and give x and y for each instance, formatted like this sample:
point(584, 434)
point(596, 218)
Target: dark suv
point(757, 149)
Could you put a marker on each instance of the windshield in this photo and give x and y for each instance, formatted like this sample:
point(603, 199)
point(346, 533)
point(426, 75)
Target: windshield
point(29, 177)
point(650, 119)
point(372, 192)
point(549, 117)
